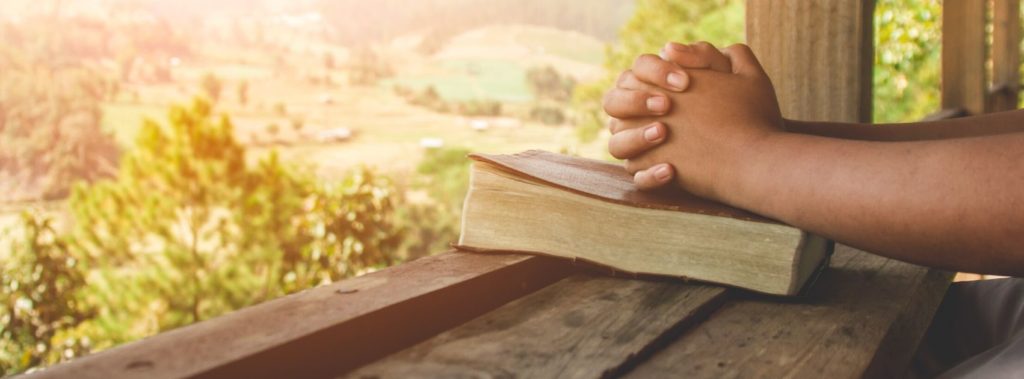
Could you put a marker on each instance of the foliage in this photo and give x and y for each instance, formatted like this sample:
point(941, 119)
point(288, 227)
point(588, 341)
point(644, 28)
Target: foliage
point(212, 86)
point(654, 23)
point(297, 123)
point(50, 134)
point(907, 53)
point(280, 109)
point(547, 84)
point(906, 69)
point(478, 107)
point(40, 296)
point(187, 231)
point(243, 93)
point(549, 115)
point(433, 223)
point(366, 67)
point(431, 99)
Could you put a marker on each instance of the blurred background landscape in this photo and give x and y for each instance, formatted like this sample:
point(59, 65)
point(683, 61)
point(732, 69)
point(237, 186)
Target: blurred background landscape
point(165, 162)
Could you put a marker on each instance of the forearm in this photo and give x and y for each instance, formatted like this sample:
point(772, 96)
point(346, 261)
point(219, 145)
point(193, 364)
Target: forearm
point(956, 204)
point(983, 125)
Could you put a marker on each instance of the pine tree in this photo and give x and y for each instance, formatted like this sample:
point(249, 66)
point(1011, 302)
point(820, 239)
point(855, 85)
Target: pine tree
point(187, 231)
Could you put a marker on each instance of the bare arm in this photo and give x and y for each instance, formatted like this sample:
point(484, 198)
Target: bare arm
point(955, 204)
point(946, 194)
point(983, 125)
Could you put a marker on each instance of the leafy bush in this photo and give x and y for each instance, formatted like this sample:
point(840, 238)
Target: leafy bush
point(40, 297)
point(50, 134)
point(432, 224)
point(187, 231)
point(547, 84)
point(479, 108)
point(547, 114)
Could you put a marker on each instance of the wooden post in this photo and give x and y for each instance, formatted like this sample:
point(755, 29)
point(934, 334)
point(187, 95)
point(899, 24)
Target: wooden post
point(1005, 55)
point(964, 84)
point(819, 55)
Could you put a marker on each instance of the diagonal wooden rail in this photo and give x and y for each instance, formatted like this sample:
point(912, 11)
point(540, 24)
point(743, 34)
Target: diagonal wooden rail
point(332, 329)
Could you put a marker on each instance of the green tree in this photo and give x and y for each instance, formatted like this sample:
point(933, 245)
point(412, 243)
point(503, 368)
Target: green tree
point(907, 53)
point(547, 84)
point(243, 93)
point(40, 297)
point(212, 86)
point(50, 133)
point(366, 67)
point(654, 23)
point(433, 224)
point(187, 231)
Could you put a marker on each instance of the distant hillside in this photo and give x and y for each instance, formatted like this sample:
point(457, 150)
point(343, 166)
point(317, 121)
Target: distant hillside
point(491, 62)
point(370, 21)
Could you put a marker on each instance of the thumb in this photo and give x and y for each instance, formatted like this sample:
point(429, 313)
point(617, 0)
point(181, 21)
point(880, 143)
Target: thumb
point(743, 60)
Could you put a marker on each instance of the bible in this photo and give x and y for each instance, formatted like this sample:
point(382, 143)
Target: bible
point(582, 209)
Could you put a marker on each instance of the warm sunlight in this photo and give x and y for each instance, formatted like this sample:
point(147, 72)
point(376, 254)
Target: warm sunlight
point(267, 175)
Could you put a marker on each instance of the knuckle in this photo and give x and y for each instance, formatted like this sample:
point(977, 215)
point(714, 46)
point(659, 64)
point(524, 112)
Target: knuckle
point(631, 167)
point(739, 47)
point(609, 97)
point(630, 81)
point(624, 77)
point(645, 60)
point(704, 45)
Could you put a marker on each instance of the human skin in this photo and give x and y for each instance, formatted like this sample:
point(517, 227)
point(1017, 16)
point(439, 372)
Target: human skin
point(946, 194)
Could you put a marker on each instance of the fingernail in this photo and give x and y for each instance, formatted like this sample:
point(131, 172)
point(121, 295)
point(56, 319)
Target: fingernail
point(679, 47)
point(662, 173)
point(657, 104)
point(677, 80)
point(652, 133)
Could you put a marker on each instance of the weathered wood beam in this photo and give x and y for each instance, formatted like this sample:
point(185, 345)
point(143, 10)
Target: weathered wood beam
point(964, 83)
point(1005, 55)
point(585, 326)
point(819, 55)
point(945, 114)
point(863, 318)
point(329, 330)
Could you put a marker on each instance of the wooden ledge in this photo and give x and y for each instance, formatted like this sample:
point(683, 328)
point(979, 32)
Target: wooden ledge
point(331, 329)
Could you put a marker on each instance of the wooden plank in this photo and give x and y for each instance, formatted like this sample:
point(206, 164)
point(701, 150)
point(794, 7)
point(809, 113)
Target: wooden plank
point(945, 114)
point(818, 54)
point(582, 327)
point(864, 317)
point(331, 329)
point(1005, 55)
point(964, 84)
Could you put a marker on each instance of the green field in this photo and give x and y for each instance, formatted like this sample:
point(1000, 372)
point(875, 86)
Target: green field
point(488, 63)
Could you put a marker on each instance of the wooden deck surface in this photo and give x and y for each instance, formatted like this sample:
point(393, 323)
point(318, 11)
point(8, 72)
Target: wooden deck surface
point(470, 315)
point(864, 317)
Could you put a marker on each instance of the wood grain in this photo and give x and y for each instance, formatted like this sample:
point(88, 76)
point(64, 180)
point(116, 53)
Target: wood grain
point(964, 83)
point(327, 330)
point(864, 316)
point(1005, 55)
point(818, 55)
point(582, 327)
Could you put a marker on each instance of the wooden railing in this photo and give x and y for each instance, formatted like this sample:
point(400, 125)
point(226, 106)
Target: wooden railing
point(966, 85)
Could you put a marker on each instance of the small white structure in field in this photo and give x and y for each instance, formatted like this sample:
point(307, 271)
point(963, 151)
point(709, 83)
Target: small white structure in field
point(334, 135)
point(430, 143)
point(479, 124)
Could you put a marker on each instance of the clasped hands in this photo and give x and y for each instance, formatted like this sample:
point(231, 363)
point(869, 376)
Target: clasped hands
point(695, 116)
